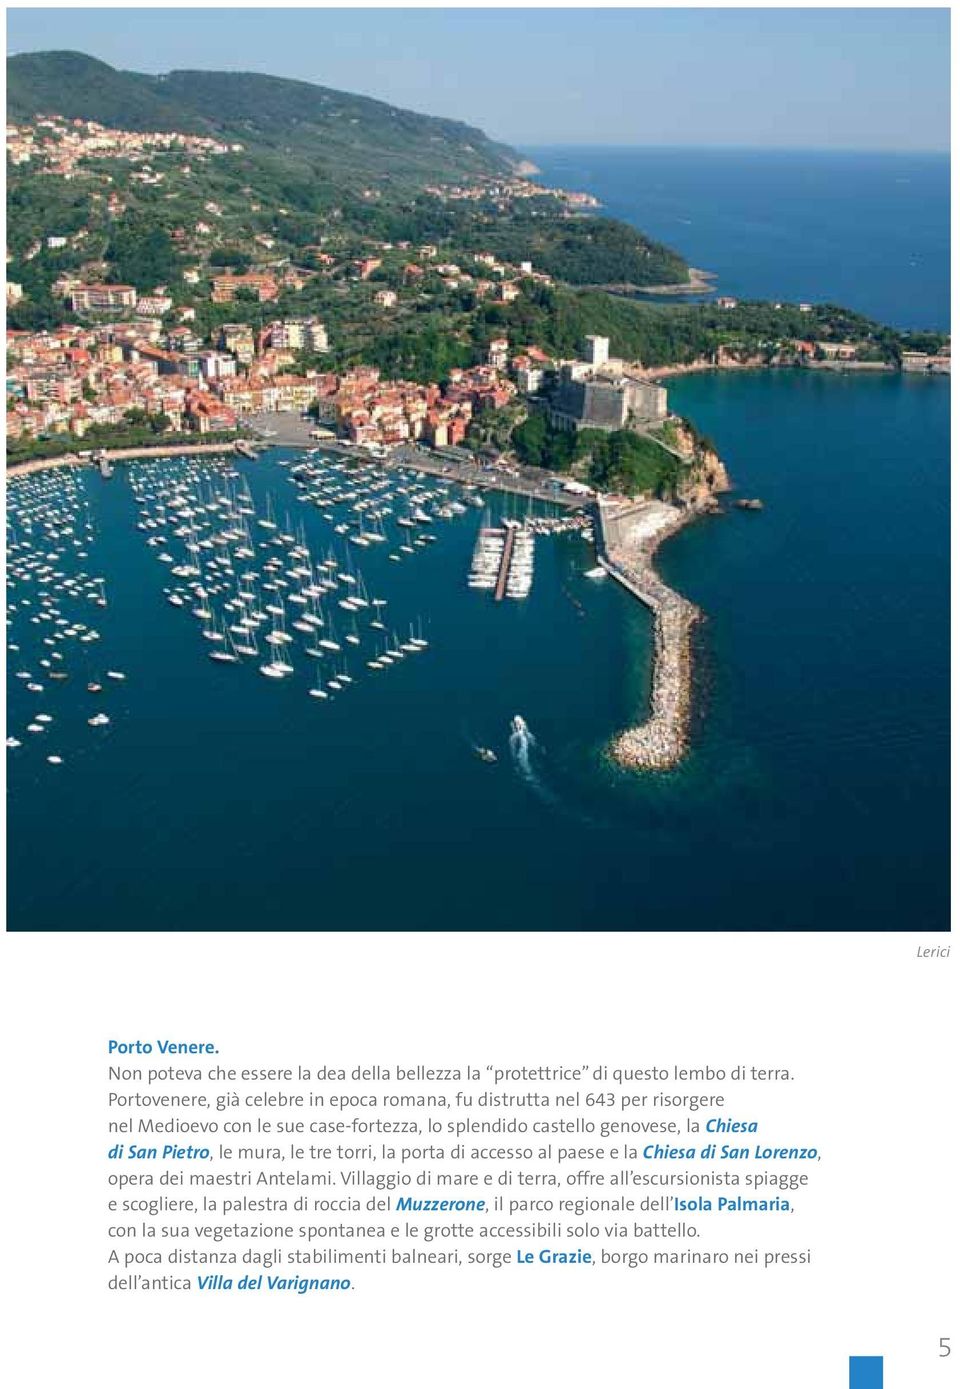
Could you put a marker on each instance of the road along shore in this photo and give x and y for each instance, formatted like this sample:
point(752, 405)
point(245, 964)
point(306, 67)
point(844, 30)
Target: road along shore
point(628, 537)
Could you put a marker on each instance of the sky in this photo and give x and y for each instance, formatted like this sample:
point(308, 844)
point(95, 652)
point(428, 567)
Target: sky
point(778, 78)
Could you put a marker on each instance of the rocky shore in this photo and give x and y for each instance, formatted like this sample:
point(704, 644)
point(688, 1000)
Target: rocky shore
point(630, 540)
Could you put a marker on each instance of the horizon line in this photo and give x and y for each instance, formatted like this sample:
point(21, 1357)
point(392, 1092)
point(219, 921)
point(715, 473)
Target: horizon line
point(522, 145)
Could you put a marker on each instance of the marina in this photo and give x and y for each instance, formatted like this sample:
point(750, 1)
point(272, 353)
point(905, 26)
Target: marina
point(293, 583)
point(503, 560)
point(247, 800)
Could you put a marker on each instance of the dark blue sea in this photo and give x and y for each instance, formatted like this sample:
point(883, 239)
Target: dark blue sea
point(870, 231)
point(815, 796)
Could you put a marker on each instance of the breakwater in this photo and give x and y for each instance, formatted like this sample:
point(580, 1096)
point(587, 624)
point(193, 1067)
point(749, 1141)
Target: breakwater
point(73, 460)
point(628, 537)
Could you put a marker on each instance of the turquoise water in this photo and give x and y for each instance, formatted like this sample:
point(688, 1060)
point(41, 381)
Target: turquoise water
point(815, 796)
point(870, 231)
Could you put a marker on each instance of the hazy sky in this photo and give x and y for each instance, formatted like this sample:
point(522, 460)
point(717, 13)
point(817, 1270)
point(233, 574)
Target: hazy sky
point(840, 78)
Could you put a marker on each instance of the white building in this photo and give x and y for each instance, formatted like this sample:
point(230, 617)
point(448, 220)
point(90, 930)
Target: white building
point(530, 379)
point(596, 350)
point(217, 365)
point(497, 353)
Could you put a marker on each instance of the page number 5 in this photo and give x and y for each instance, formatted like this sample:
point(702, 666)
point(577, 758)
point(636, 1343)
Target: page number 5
point(945, 1347)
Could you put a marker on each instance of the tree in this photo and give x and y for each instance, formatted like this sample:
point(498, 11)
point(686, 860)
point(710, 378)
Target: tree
point(142, 255)
point(156, 423)
point(530, 440)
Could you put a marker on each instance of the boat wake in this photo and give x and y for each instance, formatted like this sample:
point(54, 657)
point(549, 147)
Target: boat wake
point(522, 742)
point(523, 749)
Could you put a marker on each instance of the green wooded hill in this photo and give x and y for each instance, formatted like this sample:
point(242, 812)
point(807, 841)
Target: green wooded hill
point(354, 135)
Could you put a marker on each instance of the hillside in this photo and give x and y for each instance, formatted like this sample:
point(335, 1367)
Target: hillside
point(350, 135)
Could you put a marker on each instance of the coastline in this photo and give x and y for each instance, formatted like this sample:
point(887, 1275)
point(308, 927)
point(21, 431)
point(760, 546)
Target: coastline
point(700, 282)
point(629, 538)
point(702, 364)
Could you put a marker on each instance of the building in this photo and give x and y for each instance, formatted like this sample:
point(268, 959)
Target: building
point(298, 335)
point(165, 362)
point(837, 351)
point(938, 363)
point(101, 298)
point(497, 353)
point(209, 415)
point(725, 302)
point(238, 339)
point(584, 401)
point(294, 392)
point(530, 378)
point(154, 305)
point(386, 298)
point(596, 350)
point(216, 365)
point(315, 337)
point(227, 287)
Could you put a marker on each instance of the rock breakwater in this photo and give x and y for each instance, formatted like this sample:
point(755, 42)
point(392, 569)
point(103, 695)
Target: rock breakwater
point(629, 537)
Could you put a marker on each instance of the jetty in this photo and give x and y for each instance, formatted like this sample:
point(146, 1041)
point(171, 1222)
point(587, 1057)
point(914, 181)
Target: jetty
point(628, 536)
point(96, 458)
point(505, 558)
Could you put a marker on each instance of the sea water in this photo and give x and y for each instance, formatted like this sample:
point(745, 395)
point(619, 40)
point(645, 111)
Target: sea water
point(867, 230)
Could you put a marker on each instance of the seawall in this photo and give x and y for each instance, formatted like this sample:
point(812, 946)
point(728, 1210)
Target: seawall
point(70, 460)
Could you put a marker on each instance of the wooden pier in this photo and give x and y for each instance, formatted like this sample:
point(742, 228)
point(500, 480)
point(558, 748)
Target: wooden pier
point(505, 558)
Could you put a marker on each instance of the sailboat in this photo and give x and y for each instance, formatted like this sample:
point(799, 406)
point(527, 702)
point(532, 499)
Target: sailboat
point(225, 653)
point(317, 691)
point(248, 645)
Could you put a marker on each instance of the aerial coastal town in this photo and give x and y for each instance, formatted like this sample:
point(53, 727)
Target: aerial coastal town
point(222, 343)
point(159, 353)
point(70, 378)
point(128, 349)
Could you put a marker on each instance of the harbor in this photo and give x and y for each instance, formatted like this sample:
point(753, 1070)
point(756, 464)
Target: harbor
point(469, 468)
point(269, 575)
point(246, 803)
